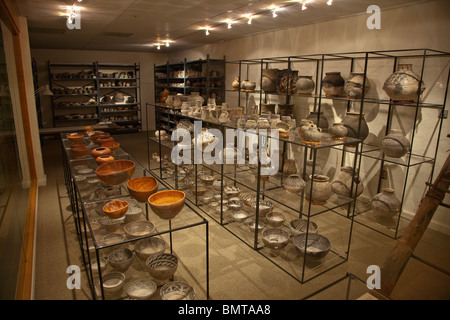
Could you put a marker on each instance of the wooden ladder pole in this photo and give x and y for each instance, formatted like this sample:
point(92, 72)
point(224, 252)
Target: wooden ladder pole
point(395, 263)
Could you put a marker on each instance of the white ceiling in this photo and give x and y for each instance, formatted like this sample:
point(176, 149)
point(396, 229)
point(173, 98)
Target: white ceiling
point(133, 25)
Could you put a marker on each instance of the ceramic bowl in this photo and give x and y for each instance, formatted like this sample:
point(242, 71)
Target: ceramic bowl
point(317, 247)
point(162, 266)
point(115, 209)
point(75, 137)
point(111, 145)
point(207, 179)
point(111, 225)
point(133, 213)
point(121, 259)
point(239, 216)
point(207, 198)
point(116, 172)
point(264, 207)
point(177, 290)
point(79, 152)
point(102, 139)
point(232, 191)
point(252, 226)
point(149, 247)
point(217, 184)
point(275, 219)
point(113, 282)
point(142, 188)
point(104, 159)
point(113, 238)
point(248, 199)
point(77, 145)
point(103, 265)
point(235, 205)
point(138, 229)
point(275, 238)
point(217, 196)
point(167, 204)
point(200, 191)
point(298, 226)
point(141, 289)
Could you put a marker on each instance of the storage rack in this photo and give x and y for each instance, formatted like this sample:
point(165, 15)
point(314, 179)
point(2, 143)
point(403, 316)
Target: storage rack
point(85, 202)
point(79, 94)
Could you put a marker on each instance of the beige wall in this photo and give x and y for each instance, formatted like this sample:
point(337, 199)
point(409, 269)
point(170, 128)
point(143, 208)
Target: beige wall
point(146, 60)
point(418, 26)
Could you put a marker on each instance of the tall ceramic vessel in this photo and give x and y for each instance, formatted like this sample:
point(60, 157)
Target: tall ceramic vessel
point(385, 204)
point(355, 130)
point(404, 85)
point(333, 84)
point(395, 144)
point(269, 80)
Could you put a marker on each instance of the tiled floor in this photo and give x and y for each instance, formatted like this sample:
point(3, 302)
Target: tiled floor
point(236, 270)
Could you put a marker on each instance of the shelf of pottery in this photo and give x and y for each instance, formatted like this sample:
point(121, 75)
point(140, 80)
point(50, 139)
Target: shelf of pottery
point(135, 233)
point(90, 93)
point(373, 93)
point(203, 78)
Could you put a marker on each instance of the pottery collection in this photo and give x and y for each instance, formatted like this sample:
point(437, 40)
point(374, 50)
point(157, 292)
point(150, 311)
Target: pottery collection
point(395, 144)
point(404, 85)
point(385, 204)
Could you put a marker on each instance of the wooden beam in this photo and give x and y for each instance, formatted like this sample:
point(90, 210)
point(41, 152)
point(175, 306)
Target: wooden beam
point(395, 263)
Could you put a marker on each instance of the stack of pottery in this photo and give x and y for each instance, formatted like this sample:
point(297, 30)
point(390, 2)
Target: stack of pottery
point(305, 85)
point(395, 144)
point(344, 185)
point(269, 80)
point(318, 190)
point(354, 85)
point(404, 85)
point(385, 204)
point(352, 122)
point(338, 131)
point(333, 84)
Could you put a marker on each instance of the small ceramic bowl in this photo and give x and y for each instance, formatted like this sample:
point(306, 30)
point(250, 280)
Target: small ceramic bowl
point(113, 282)
point(148, 247)
point(317, 247)
point(200, 191)
point(235, 204)
point(141, 289)
point(142, 188)
point(113, 238)
point(111, 225)
point(298, 226)
point(207, 198)
point(177, 290)
point(103, 265)
point(275, 219)
point(162, 266)
point(264, 207)
point(112, 145)
point(138, 229)
point(116, 209)
point(207, 179)
point(133, 214)
point(116, 172)
point(75, 137)
point(275, 238)
point(121, 259)
point(217, 196)
point(252, 226)
point(232, 191)
point(239, 216)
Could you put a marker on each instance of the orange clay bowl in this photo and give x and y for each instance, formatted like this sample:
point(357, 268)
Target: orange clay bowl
point(99, 134)
point(75, 137)
point(77, 145)
point(115, 209)
point(112, 145)
point(102, 139)
point(142, 188)
point(167, 204)
point(79, 152)
point(116, 172)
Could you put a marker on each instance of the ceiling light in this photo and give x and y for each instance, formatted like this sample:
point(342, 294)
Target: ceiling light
point(167, 43)
point(274, 10)
point(229, 22)
point(304, 2)
point(330, 2)
point(250, 18)
point(207, 29)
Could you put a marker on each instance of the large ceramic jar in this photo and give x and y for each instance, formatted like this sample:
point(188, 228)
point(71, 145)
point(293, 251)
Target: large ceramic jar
point(395, 144)
point(287, 82)
point(354, 85)
point(333, 84)
point(351, 122)
point(320, 191)
point(343, 185)
point(385, 204)
point(318, 118)
point(305, 85)
point(338, 131)
point(403, 85)
point(269, 80)
point(294, 183)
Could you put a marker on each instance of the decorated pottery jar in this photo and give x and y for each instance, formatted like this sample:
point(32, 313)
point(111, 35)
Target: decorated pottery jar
point(343, 185)
point(395, 144)
point(404, 85)
point(385, 204)
point(351, 122)
point(333, 84)
point(354, 85)
point(312, 135)
point(320, 191)
point(305, 85)
point(294, 183)
point(290, 167)
point(269, 80)
point(338, 131)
